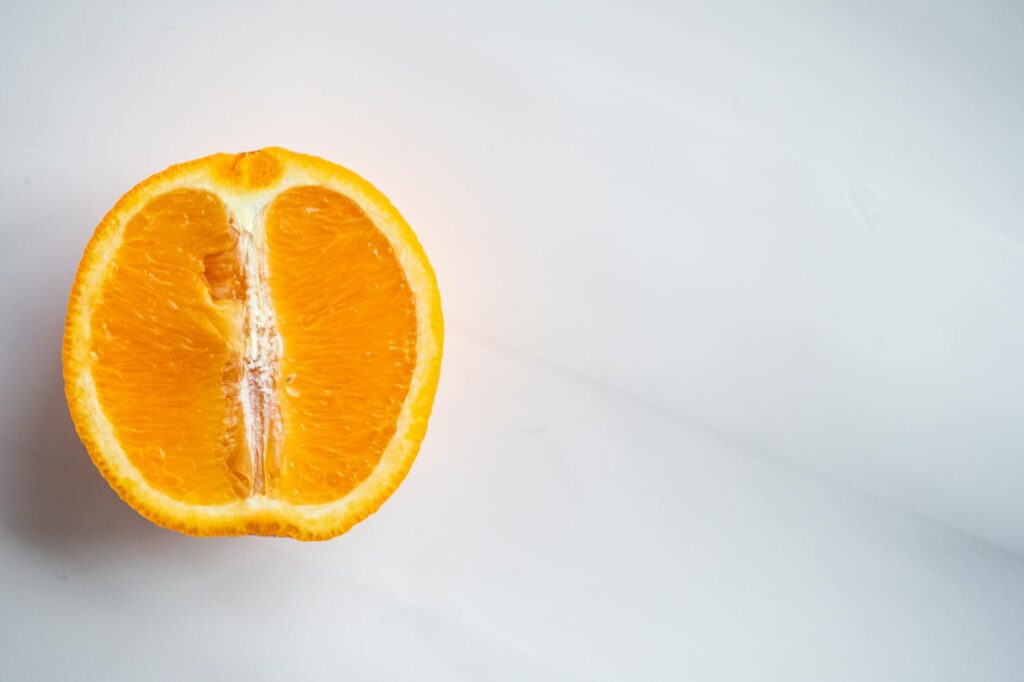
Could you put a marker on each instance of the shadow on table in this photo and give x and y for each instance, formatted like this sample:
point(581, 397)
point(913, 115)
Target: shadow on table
point(54, 498)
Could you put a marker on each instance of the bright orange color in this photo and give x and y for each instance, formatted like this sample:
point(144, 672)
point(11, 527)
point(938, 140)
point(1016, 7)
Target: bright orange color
point(166, 356)
point(348, 353)
point(252, 346)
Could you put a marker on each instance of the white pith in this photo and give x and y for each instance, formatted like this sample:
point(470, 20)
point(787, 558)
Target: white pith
point(262, 350)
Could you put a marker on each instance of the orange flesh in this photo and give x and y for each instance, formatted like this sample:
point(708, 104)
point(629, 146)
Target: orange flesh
point(166, 354)
point(347, 323)
point(168, 338)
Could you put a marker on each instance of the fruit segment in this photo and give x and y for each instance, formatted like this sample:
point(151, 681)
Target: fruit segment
point(166, 348)
point(346, 320)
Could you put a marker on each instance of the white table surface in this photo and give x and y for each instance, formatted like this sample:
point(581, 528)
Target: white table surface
point(732, 384)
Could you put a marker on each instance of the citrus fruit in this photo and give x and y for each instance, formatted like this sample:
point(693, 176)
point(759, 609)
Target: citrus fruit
point(252, 346)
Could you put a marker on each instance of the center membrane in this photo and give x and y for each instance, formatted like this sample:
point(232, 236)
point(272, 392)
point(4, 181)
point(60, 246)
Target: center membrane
point(253, 375)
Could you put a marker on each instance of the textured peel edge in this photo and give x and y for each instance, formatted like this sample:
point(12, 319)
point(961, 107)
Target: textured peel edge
point(254, 178)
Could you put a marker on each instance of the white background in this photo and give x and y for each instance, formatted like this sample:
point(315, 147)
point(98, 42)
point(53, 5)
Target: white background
point(733, 386)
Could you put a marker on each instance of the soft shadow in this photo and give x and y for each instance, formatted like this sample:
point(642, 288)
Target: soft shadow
point(54, 499)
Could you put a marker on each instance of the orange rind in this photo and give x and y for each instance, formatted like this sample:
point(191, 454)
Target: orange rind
point(252, 346)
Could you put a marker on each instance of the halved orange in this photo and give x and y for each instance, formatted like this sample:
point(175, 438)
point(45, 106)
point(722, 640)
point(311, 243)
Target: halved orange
point(252, 346)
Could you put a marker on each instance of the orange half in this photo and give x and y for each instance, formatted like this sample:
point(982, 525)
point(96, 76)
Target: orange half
point(252, 346)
